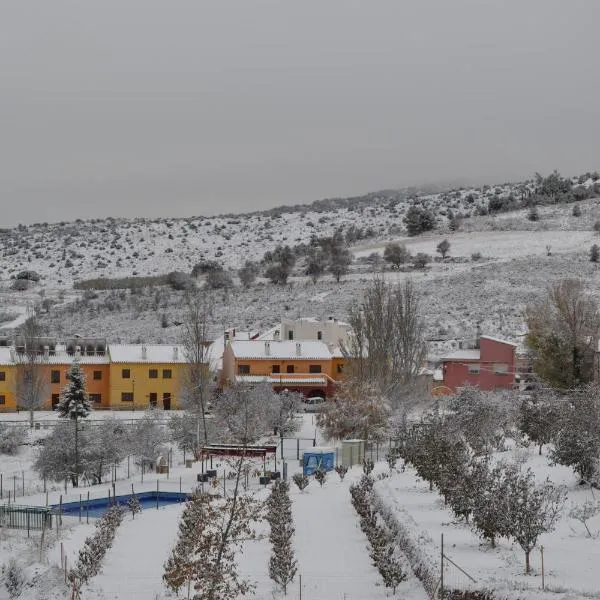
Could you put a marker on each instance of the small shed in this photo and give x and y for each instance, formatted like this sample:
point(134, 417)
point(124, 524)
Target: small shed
point(162, 465)
point(353, 452)
point(318, 458)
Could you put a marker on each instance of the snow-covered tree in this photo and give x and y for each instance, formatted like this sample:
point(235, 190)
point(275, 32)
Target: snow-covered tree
point(13, 577)
point(482, 417)
point(321, 476)
point(147, 438)
point(56, 457)
point(539, 418)
point(531, 509)
point(387, 348)
point(577, 441)
point(301, 481)
point(244, 412)
point(31, 383)
point(75, 405)
point(489, 510)
point(134, 506)
point(282, 563)
point(11, 437)
point(341, 470)
point(102, 445)
point(211, 532)
point(197, 388)
point(283, 409)
point(355, 412)
point(183, 431)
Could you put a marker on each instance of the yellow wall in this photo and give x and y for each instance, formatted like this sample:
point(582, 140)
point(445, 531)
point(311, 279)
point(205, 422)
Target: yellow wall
point(8, 387)
point(140, 384)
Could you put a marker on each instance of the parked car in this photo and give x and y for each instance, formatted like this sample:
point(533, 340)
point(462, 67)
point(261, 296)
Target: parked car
point(311, 404)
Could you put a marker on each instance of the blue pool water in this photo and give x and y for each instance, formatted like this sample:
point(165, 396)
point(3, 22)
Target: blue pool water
point(98, 506)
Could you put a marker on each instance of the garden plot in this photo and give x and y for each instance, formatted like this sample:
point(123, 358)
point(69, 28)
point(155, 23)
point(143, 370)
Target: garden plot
point(571, 557)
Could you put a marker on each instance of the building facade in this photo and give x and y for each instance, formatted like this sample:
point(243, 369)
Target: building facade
point(305, 366)
point(491, 366)
point(118, 376)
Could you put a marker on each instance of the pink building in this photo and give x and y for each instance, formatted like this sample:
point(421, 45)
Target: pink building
point(491, 366)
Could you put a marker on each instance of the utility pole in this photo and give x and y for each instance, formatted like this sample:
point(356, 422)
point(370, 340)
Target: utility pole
point(442, 569)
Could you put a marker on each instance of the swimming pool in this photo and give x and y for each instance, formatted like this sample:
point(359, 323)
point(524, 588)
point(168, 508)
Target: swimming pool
point(98, 506)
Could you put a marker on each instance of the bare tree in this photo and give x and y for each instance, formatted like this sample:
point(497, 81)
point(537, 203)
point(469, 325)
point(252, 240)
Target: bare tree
point(196, 389)
point(31, 384)
point(388, 346)
point(563, 330)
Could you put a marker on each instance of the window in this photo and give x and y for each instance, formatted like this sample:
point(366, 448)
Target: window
point(55, 400)
point(290, 368)
point(153, 373)
point(2, 375)
point(96, 398)
point(243, 369)
point(54, 376)
point(314, 368)
point(167, 373)
point(2, 399)
point(125, 373)
point(319, 335)
point(275, 369)
point(340, 368)
point(501, 369)
point(97, 375)
point(474, 369)
point(290, 335)
point(126, 397)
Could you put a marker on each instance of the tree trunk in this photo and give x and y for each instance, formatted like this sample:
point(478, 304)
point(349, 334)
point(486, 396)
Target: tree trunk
point(540, 452)
point(76, 477)
point(527, 565)
point(31, 418)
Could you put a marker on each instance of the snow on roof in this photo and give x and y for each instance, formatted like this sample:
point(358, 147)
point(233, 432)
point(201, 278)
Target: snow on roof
point(280, 380)
point(155, 353)
point(5, 356)
point(309, 349)
point(494, 339)
point(463, 355)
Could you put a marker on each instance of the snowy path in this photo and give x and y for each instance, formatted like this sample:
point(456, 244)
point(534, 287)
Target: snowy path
point(133, 567)
point(332, 550)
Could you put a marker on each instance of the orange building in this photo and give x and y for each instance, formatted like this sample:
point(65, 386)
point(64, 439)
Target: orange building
point(306, 366)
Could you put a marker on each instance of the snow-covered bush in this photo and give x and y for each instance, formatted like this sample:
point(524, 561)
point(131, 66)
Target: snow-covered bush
point(320, 476)
point(300, 480)
point(584, 512)
point(11, 438)
point(13, 578)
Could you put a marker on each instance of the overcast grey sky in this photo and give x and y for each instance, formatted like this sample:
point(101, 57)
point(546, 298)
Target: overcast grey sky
point(175, 108)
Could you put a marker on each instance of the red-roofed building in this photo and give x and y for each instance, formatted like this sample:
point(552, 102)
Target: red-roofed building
point(490, 366)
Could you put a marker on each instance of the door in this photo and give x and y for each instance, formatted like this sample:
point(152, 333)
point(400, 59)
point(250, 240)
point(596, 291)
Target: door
point(167, 401)
point(153, 399)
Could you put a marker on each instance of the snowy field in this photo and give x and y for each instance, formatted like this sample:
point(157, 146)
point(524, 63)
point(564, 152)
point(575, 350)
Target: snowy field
point(330, 547)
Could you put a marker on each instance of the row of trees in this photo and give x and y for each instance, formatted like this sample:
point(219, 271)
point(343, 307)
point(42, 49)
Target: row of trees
point(500, 500)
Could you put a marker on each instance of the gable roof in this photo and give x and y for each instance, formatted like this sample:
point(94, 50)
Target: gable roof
point(255, 349)
point(155, 353)
point(493, 339)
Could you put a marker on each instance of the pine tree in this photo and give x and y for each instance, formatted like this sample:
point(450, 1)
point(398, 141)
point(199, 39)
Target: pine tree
point(282, 564)
point(75, 404)
point(595, 253)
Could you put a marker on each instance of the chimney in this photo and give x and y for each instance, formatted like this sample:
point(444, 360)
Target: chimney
point(46, 351)
point(77, 351)
point(175, 353)
point(276, 335)
point(144, 353)
point(298, 349)
point(267, 349)
point(478, 337)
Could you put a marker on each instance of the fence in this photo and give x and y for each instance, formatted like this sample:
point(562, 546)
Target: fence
point(25, 517)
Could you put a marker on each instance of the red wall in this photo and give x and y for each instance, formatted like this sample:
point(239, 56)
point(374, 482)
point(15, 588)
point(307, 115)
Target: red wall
point(456, 373)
